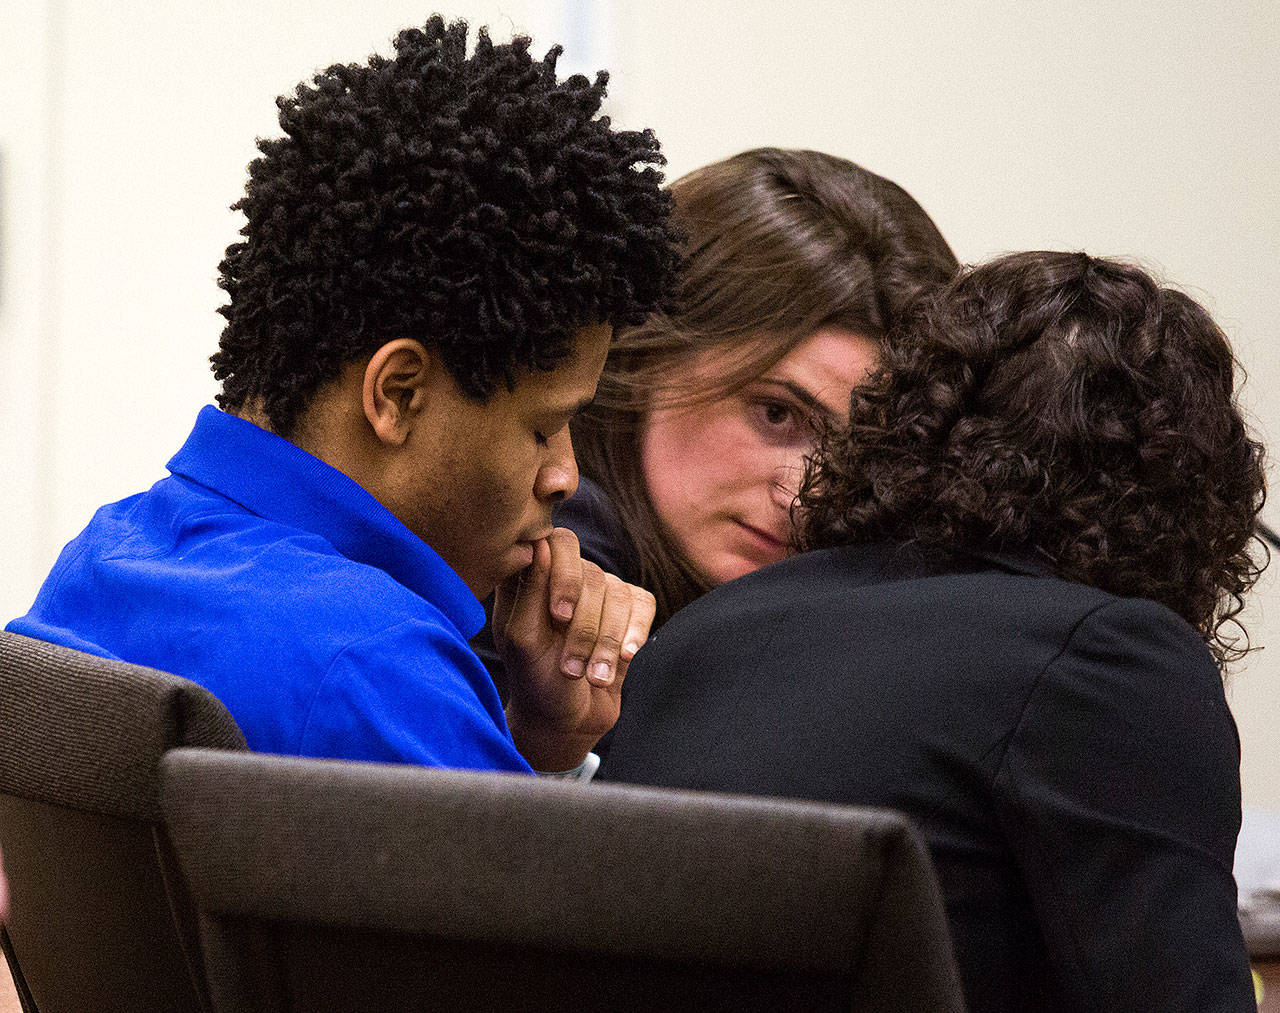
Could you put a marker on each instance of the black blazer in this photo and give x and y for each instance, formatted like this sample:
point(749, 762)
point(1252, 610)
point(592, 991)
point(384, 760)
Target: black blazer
point(1068, 755)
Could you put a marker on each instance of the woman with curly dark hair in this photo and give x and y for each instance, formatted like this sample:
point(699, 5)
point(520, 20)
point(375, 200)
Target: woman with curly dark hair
point(1029, 547)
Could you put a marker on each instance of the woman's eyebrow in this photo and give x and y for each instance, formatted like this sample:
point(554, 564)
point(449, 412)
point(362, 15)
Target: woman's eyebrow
point(801, 394)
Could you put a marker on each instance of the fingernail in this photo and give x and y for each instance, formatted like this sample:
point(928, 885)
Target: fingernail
point(574, 667)
point(601, 672)
point(629, 649)
point(563, 609)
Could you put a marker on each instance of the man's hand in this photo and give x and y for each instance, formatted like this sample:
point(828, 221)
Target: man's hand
point(566, 631)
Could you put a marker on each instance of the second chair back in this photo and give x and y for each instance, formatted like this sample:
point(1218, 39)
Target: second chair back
point(325, 886)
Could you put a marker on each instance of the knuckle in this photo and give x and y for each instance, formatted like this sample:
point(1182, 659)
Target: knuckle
point(580, 642)
point(565, 584)
point(579, 651)
point(615, 584)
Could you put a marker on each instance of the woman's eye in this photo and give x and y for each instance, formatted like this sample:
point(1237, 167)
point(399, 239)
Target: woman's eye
point(776, 414)
point(779, 415)
point(780, 422)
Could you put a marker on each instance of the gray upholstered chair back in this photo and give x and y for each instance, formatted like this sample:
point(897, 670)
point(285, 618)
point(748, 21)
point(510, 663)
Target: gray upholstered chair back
point(94, 923)
point(323, 885)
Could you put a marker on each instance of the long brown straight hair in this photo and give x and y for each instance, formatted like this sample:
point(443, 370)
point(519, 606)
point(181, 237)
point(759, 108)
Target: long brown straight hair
point(778, 244)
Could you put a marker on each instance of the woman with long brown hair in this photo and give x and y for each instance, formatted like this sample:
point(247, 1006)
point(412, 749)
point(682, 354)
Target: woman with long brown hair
point(795, 265)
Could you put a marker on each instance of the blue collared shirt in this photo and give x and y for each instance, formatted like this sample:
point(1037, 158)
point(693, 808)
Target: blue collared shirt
point(324, 625)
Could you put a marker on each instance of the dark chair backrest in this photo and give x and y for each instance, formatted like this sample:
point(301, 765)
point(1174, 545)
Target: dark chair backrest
point(322, 885)
point(94, 922)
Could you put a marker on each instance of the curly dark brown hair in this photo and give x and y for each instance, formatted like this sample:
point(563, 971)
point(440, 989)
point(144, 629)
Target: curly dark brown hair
point(474, 203)
point(1062, 406)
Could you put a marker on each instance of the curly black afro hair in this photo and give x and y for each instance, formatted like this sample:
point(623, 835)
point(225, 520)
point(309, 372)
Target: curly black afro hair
point(1066, 407)
point(473, 203)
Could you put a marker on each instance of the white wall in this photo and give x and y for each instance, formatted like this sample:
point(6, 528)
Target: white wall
point(1138, 129)
point(119, 166)
point(1148, 129)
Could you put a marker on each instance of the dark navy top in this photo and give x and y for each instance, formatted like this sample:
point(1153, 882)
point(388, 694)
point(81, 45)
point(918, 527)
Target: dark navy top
point(324, 625)
point(1068, 756)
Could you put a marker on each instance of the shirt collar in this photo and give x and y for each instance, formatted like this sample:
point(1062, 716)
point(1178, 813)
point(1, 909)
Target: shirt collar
point(884, 560)
point(281, 482)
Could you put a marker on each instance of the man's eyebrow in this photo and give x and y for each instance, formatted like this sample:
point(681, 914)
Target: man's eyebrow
point(577, 407)
point(803, 395)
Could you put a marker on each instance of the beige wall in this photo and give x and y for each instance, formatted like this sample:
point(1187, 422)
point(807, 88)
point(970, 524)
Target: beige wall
point(1145, 129)
point(1149, 130)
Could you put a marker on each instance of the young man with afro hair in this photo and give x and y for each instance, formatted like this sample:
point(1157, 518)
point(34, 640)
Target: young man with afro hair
point(435, 255)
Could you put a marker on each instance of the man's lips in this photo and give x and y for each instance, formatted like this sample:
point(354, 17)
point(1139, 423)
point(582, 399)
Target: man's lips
point(526, 546)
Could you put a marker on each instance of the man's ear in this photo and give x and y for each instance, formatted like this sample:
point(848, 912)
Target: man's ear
point(396, 382)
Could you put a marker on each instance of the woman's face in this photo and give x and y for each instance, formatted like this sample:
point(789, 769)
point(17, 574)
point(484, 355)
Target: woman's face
point(722, 475)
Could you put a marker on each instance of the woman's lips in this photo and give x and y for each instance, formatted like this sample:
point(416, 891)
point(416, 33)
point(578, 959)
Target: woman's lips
point(765, 540)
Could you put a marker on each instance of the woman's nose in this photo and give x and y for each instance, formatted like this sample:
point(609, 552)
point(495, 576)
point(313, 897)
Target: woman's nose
point(786, 481)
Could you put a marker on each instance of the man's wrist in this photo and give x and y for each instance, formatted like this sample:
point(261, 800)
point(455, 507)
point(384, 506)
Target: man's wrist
point(549, 749)
point(584, 771)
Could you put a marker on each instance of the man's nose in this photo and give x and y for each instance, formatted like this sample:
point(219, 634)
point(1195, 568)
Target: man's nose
point(558, 477)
